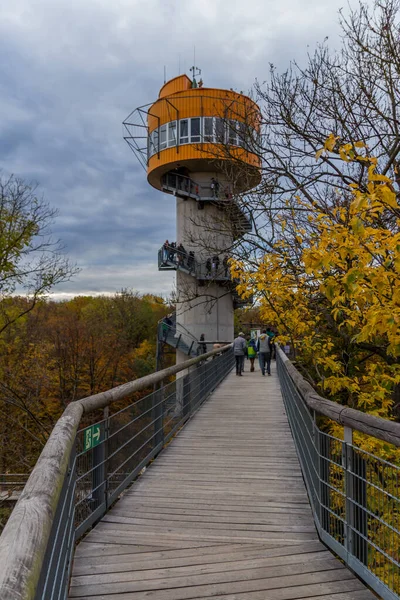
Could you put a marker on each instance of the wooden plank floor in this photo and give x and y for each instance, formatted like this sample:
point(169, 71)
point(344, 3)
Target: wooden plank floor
point(221, 513)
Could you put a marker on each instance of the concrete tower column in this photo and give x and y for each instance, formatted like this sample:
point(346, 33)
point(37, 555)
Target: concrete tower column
point(204, 306)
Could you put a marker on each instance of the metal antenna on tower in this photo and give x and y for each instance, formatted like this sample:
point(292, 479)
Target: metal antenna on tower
point(195, 70)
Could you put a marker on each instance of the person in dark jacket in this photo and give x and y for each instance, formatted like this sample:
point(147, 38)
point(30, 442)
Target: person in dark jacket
point(202, 347)
point(208, 268)
point(264, 352)
point(272, 335)
point(226, 265)
point(239, 350)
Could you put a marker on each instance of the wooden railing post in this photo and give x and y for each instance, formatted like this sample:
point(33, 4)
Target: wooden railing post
point(347, 462)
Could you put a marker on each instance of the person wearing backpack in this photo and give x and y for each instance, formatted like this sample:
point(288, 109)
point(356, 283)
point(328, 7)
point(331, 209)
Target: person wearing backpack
point(251, 352)
point(264, 352)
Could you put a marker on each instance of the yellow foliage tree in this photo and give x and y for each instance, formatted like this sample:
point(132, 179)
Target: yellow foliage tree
point(332, 285)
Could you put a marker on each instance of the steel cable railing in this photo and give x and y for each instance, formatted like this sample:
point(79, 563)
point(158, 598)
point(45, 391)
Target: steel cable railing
point(354, 495)
point(80, 473)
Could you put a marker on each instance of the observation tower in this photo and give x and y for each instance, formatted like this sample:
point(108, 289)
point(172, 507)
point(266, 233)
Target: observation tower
point(197, 143)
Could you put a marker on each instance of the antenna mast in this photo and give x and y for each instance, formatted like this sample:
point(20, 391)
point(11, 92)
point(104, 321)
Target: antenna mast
point(195, 70)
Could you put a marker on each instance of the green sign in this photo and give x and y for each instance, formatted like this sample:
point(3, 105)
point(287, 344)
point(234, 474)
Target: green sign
point(91, 437)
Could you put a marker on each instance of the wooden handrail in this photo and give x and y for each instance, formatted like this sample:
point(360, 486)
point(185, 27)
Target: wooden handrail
point(24, 540)
point(382, 429)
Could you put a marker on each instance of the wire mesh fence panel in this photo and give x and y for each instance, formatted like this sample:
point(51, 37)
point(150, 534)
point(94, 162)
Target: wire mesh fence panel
point(355, 495)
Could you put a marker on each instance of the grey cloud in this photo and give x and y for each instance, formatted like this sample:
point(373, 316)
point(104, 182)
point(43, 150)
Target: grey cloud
point(74, 69)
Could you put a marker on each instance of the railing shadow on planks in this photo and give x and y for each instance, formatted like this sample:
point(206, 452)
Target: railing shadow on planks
point(354, 495)
point(79, 474)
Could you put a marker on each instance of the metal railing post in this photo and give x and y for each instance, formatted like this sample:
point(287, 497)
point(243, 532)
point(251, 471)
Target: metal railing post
point(323, 448)
point(316, 467)
point(158, 415)
point(360, 548)
point(99, 470)
point(356, 501)
point(347, 462)
point(106, 417)
point(187, 408)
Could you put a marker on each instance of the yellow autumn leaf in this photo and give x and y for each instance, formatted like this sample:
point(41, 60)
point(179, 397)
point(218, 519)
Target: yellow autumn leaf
point(372, 176)
point(330, 142)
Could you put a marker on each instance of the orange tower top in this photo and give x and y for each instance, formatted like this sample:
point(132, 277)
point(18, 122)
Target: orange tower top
point(195, 128)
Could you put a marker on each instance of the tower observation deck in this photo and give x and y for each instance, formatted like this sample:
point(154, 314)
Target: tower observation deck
point(196, 144)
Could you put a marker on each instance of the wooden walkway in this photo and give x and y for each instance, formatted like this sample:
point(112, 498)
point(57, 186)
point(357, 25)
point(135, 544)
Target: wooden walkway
point(222, 513)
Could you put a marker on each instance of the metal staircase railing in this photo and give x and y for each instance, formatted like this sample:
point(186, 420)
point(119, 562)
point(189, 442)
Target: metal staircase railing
point(186, 187)
point(170, 258)
point(354, 495)
point(80, 473)
point(177, 336)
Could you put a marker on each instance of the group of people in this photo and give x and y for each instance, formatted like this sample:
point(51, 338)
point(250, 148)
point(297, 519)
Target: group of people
point(264, 347)
point(215, 189)
point(177, 253)
point(213, 267)
point(180, 179)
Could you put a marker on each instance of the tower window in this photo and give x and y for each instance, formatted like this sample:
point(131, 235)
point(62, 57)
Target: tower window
point(172, 133)
point(163, 137)
point(153, 142)
point(183, 131)
point(232, 137)
point(243, 133)
point(208, 129)
point(195, 129)
point(219, 130)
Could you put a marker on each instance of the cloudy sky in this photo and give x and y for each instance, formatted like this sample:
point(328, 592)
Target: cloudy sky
point(72, 70)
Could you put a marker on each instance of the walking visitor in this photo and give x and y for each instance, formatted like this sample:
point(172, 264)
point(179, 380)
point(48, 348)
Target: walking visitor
point(239, 350)
point(202, 347)
point(264, 352)
point(251, 352)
